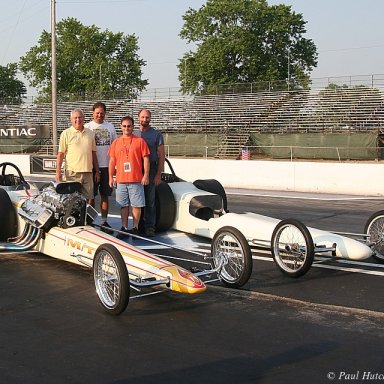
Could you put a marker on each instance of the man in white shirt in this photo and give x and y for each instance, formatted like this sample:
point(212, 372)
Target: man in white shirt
point(105, 134)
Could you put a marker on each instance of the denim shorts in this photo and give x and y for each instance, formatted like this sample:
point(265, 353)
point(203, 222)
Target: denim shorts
point(130, 194)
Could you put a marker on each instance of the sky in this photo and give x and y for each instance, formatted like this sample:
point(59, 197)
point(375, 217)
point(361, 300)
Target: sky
point(348, 33)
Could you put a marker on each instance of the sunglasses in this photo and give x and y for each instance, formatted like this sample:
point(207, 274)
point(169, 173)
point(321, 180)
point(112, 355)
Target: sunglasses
point(126, 126)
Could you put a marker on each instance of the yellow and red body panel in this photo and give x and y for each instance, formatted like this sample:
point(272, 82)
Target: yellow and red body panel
point(79, 244)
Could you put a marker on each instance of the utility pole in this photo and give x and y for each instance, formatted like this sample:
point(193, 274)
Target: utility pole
point(100, 82)
point(53, 76)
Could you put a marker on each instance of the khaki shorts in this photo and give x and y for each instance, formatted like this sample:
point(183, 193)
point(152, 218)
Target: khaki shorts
point(84, 178)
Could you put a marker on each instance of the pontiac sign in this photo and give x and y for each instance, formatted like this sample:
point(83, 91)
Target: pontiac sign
point(38, 131)
point(24, 138)
point(18, 132)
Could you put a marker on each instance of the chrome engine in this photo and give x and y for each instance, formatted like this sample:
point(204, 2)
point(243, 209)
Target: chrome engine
point(60, 205)
point(51, 208)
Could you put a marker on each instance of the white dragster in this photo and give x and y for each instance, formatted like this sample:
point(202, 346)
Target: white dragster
point(200, 208)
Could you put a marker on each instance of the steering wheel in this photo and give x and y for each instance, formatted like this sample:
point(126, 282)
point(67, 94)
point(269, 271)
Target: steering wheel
point(19, 180)
point(169, 177)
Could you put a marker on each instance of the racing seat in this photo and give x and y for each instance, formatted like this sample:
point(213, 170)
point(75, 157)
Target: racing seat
point(12, 182)
point(169, 177)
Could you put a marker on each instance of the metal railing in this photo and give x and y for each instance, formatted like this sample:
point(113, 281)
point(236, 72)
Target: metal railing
point(316, 153)
point(291, 153)
point(288, 152)
point(169, 93)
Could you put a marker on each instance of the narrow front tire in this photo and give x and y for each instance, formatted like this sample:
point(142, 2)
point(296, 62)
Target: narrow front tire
point(292, 247)
point(232, 254)
point(111, 279)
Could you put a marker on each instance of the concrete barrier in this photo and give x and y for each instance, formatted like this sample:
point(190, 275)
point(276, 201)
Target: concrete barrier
point(320, 177)
point(354, 178)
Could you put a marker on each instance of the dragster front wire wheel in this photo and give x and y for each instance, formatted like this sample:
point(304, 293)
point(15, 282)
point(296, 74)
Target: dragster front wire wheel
point(292, 247)
point(374, 228)
point(231, 252)
point(111, 279)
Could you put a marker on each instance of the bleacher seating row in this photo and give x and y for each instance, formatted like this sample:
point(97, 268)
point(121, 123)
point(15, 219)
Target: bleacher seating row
point(329, 110)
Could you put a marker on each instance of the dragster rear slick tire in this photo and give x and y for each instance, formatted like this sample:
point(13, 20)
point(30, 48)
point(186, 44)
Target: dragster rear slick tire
point(8, 217)
point(231, 250)
point(292, 247)
point(165, 207)
point(111, 279)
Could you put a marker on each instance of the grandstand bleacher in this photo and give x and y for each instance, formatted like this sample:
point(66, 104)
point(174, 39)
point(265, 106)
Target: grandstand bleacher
point(233, 116)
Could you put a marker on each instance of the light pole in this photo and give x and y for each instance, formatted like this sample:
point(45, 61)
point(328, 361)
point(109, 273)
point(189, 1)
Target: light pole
point(53, 76)
point(100, 82)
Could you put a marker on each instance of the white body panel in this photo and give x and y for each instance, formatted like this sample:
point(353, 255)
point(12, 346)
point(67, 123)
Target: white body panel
point(255, 228)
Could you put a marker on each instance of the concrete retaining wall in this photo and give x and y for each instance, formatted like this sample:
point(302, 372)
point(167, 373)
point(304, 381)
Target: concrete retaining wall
point(321, 177)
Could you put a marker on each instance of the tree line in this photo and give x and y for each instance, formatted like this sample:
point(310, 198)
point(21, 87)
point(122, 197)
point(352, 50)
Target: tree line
point(242, 41)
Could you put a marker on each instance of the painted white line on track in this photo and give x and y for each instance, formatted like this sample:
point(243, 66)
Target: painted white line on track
point(146, 294)
point(353, 270)
point(309, 196)
point(335, 267)
point(374, 265)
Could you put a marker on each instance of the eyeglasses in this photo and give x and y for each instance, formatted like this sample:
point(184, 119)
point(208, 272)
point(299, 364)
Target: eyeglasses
point(126, 126)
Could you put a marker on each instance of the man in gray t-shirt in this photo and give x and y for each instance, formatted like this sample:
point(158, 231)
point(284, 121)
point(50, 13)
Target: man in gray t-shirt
point(155, 141)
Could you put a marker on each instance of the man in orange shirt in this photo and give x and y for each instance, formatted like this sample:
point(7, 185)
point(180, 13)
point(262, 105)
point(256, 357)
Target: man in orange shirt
point(128, 157)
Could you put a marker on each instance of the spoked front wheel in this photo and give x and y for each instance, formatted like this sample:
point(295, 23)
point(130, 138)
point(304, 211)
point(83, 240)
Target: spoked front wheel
point(232, 254)
point(111, 279)
point(374, 228)
point(292, 247)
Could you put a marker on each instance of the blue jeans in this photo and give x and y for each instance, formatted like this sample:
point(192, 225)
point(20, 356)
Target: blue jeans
point(150, 206)
point(150, 200)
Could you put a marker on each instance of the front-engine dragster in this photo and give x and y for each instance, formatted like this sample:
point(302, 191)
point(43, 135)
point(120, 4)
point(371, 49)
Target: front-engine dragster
point(57, 222)
point(200, 208)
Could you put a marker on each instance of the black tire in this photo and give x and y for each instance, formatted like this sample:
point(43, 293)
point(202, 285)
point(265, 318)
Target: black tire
point(292, 247)
point(374, 228)
point(213, 186)
point(230, 247)
point(165, 207)
point(111, 279)
point(8, 217)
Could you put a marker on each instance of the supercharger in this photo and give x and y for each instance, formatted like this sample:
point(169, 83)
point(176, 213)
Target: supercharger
point(52, 208)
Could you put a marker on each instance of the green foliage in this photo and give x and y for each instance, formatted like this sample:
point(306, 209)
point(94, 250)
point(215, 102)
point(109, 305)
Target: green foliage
point(349, 87)
point(12, 90)
point(244, 41)
point(88, 62)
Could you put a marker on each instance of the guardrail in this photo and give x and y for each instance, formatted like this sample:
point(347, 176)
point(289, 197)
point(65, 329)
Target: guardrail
point(253, 152)
point(278, 152)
